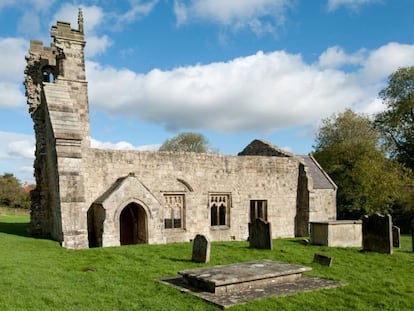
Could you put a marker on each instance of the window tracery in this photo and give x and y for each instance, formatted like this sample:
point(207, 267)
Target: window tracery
point(174, 211)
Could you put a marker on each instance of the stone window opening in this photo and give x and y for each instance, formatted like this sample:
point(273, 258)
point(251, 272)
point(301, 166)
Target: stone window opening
point(219, 209)
point(47, 74)
point(258, 209)
point(174, 211)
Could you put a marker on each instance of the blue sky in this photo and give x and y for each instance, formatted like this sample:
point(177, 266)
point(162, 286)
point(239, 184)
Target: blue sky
point(233, 70)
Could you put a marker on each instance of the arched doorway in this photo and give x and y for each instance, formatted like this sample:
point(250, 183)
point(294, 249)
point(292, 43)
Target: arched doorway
point(96, 217)
point(133, 225)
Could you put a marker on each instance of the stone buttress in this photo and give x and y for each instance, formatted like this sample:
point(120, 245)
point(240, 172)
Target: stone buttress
point(56, 91)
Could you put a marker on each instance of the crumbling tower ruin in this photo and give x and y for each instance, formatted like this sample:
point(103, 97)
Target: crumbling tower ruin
point(56, 91)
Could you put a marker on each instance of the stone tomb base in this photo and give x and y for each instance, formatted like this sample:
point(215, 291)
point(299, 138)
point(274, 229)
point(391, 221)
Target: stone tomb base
point(239, 283)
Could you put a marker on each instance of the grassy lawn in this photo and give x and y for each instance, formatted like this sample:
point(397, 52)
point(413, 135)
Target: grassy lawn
point(38, 274)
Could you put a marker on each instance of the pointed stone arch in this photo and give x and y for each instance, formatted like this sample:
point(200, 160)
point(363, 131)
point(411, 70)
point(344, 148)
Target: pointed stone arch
point(133, 225)
point(131, 220)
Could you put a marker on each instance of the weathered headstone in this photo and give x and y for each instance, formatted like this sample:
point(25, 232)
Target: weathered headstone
point(201, 249)
point(396, 237)
point(412, 233)
point(260, 234)
point(377, 233)
point(322, 260)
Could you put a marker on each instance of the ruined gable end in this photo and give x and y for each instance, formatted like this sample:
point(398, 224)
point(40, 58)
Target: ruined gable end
point(263, 148)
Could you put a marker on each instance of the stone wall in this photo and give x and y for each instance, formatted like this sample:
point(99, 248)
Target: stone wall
point(243, 178)
point(322, 205)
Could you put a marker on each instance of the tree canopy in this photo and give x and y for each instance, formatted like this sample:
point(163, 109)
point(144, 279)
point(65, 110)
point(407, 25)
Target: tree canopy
point(396, 123)
point(12, 193)
point(188, 142)
point(347, 146)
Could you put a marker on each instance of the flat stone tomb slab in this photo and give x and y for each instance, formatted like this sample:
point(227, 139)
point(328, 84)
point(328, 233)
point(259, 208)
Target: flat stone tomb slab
point(239, 276)
point(239, 283)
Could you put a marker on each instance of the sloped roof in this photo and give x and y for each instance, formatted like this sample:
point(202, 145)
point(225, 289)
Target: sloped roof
point(320, 178)
point(115, 186)
point(263, 148)
point(138, 186)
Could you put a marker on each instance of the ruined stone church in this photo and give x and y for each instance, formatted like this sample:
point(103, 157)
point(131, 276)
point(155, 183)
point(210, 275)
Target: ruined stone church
point(86, 197)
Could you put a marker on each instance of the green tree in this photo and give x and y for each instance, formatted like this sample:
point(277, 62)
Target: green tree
point(396, 123)
point(188, 142)
point(12, 193)
point(347, 146)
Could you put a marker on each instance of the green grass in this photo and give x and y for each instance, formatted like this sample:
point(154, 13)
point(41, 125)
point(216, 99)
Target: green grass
point(38, 274)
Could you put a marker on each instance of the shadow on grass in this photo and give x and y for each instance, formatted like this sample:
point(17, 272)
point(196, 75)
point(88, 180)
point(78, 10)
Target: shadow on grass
point(14, 228)
point(302, 241)
point(176, 259)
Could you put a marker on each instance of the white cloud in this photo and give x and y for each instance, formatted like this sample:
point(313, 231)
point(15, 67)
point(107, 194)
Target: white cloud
point(336, 57)
point(139, 8)
point(386, 59)
point(180, 11)
point(41, 4)
point(97, 45)
point(12, 51)
point(11, 95)
point(38, 5)
point(122, 145)
point(17, 145)
point(22, 148)
point(261, 92)
point(17, 154)
point(5, 3)
point(29, 23)
point(352, 4)
point(259, 15)
point(12, 63)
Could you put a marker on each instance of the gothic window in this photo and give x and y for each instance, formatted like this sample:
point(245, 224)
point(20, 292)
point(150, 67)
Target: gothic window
point(258, 209)
point(174, 211)
point(47, 74)
point(219, 209)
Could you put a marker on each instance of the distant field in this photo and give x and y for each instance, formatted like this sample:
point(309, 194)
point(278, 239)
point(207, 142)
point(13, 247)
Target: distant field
point(38, 274)
point(6, 211)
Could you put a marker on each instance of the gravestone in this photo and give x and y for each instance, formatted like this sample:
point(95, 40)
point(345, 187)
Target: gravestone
point(322, 260)
point(260, 234)
point(201, 249)
point(396, 237)
point(377, 233)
